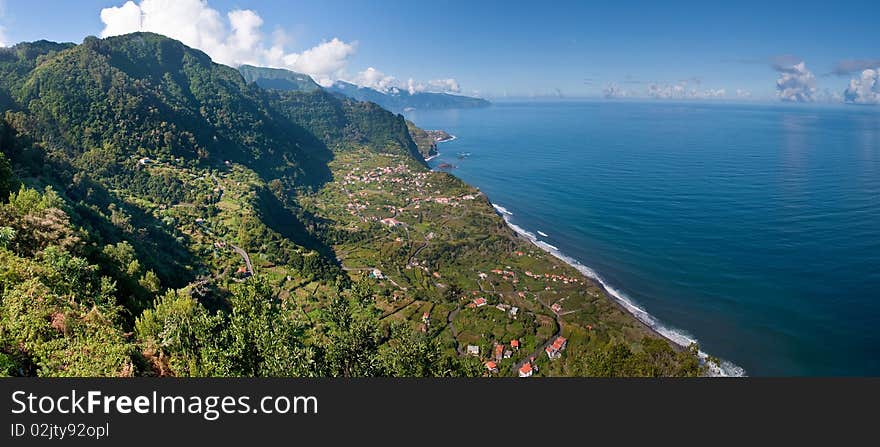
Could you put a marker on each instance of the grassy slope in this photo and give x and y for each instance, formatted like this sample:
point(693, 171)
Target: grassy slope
point(446, 246)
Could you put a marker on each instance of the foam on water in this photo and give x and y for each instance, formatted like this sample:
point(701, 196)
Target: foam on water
point(677, 336)
point(502, 210)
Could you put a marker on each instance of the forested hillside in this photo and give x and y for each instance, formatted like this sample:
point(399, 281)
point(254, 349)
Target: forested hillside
point(159, 215)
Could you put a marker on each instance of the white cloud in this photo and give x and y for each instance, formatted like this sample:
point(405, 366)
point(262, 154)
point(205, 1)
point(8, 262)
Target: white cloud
point(237, 38)
point(375, 79)
point(3, 36)
point(742, 93)
point(864, 89)
point(449, 85)
point(413, 87)
point(232, 40)
point(796, 83)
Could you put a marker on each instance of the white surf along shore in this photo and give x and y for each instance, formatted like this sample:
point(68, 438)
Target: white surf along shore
point(677, 336)
point(451, 137)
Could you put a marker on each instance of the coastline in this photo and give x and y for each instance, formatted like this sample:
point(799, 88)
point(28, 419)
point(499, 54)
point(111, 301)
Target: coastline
point(437, 154)
point(680, 339)
point(677, 337)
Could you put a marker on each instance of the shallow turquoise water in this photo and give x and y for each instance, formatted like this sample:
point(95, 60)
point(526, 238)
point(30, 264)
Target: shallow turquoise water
point(754, 229)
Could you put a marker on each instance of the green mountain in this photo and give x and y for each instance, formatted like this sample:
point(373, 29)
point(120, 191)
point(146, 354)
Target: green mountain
point(395, 100)
point(399, 100)
point(279, 79)
point(161, 215)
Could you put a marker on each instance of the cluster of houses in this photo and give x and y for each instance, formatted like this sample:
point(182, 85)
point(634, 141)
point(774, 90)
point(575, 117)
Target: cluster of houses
point(506, 275)
point(401, 179)
point(529, 367)
point(500, 352)
point(553, 277)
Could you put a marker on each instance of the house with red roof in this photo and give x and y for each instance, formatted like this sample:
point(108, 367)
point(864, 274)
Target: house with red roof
point(514, 344)
point(526, 370)
point(499, 352)
point(492, 367)
point(554, 350)
point(480, 302)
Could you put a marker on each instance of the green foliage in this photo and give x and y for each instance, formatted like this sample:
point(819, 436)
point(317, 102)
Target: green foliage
point(59, 318)
point(181, 337)
point(353, 340)
point(655, 359)
point(413, 354)
point(264, 340)
point(140, 164)
point(7, 180)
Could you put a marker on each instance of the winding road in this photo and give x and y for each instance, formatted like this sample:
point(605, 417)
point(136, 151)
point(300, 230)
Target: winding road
point(247, 259)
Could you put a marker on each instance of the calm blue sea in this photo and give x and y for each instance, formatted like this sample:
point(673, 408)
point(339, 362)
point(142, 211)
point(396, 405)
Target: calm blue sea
point(754, 229)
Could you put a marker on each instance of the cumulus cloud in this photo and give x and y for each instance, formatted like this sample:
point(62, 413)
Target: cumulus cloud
point(796, 83)
point(742, 93)
point(864, 89)
point(448, 85)
point(414, 87)
point(233, 39)
point(237, 38)
point(375, 79)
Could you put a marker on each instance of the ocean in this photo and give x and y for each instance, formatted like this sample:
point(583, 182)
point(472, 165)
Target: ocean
point(753, 229)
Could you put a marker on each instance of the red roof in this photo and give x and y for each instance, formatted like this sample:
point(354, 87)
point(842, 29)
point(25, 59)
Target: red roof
point(559, 343)
point(514, 343)
point(491, 365)
point(479, 301)
point(526, 368)
point(499, 350)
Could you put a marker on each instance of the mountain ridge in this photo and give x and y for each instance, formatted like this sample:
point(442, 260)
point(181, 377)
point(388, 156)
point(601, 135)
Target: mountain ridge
point(395, 100)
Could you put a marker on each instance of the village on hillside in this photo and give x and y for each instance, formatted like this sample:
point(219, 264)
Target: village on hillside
point(411, 232)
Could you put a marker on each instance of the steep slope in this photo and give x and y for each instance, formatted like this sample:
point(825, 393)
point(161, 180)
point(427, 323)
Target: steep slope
point(169, 218)
point(278, 79)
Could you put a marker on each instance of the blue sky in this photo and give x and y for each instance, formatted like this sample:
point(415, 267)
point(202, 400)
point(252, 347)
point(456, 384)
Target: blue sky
point(523, 48)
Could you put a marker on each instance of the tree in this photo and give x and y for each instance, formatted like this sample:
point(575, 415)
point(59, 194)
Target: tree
point(7, 180)
point(264, 339)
